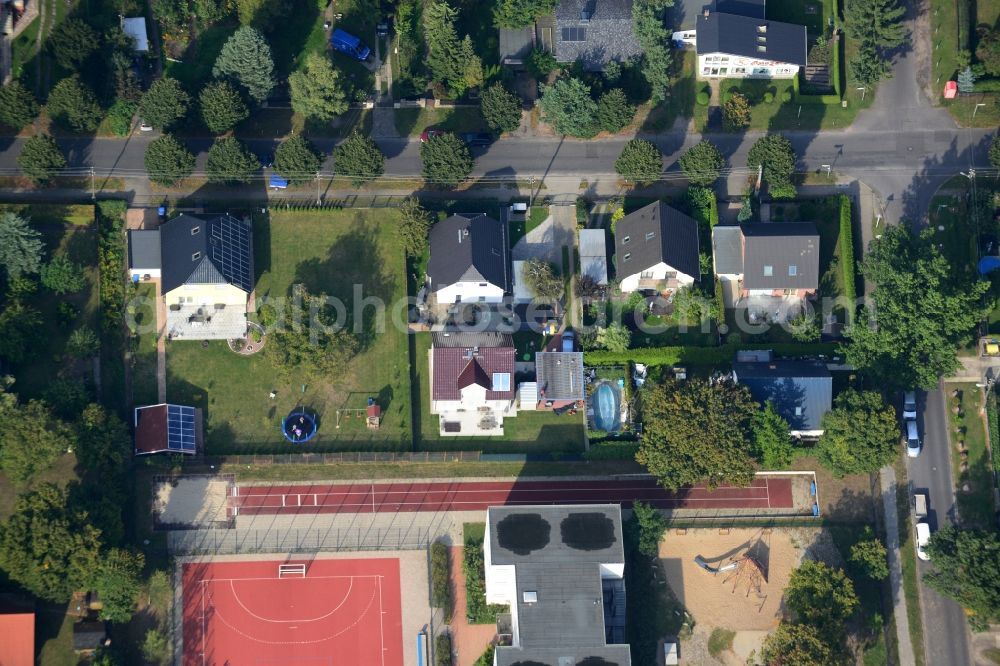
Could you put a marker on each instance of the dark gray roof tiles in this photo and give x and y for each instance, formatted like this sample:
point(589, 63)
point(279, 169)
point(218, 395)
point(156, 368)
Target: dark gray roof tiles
point(801, 391)
point(781, 255)
point(595, 31)
point(653, 234)
point(144, 250)
point(559, 375)
point(197, 251)
point(470, 248)
point(751, 38)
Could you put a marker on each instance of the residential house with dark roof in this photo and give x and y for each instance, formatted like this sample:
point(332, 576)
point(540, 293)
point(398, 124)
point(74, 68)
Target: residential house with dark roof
point(559, 379)
point(204, 268)
point(561, 570)
point(800, 390)
point(770, 268)
point(166, 429)
point(735, 41)
point(472, 382)
point(470, 260)
point(594, 32)
point(656, 248)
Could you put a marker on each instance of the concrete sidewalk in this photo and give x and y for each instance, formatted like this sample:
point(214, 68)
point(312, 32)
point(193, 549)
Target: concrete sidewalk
point(887, 478)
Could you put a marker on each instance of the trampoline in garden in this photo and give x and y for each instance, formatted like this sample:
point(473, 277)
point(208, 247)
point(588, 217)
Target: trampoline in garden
point(299, 427)
point(606, 404)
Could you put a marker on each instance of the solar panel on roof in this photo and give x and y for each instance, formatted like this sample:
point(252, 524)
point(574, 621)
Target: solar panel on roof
point(180, 429)
point(231, 251)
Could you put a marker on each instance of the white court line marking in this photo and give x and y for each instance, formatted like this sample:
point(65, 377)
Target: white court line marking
point(381, 613)
point(204, 623)
point(344, 630)
point(232, 586)
point(225, 580)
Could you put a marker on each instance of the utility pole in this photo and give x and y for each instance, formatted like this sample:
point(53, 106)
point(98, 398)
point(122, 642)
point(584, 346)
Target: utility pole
point(531, 191)
point(93, 186)
point(319, 199)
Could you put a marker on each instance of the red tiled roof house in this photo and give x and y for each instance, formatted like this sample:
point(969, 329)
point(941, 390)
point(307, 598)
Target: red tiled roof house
point(472, 382)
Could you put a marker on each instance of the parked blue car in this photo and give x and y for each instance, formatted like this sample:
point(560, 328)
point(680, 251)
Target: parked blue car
point(349, 44)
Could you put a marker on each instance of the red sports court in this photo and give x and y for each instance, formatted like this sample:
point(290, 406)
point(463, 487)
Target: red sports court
point(763, 493)
point(296, 612)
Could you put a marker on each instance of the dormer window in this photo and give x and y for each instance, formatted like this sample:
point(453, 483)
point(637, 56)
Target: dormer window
point(196, 256)
point(768, 271)
point(761, 49)
point(762, 28)
point(762, 39)
point(793, 270)
point(195, 231)
point(628, 255)
point(626, 240)
point(650, 235)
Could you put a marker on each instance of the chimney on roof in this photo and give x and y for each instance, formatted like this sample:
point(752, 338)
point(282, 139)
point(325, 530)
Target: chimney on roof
point(706, 13)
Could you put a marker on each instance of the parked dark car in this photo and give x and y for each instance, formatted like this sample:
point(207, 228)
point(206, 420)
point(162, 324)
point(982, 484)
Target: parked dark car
point(429, 134)
point(477, 139)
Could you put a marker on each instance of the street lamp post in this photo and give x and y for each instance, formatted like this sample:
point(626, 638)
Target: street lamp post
point(979, 104)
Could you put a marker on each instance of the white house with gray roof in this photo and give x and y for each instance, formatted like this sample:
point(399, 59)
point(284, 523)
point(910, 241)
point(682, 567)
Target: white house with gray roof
point(470, 260)
point(595, 32)
point(656, 248)
point(734, 40)
point(561, 570)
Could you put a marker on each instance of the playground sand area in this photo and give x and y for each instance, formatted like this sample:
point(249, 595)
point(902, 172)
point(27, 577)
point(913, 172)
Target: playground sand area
point(745, 599)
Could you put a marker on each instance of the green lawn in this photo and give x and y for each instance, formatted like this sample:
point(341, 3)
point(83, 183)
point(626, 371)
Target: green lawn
point(411, 122)
point(975, 507)
point(330, 252)
point(681, 103)
point(23, 50)
point(779, 115)
point(360, 17)
point(63, 233)
point(519, 228)
point(948, 41)
point(195, 68)
point(143, 311)
point(528, 432)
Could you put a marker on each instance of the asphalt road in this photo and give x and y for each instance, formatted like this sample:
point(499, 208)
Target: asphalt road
point(945, 632)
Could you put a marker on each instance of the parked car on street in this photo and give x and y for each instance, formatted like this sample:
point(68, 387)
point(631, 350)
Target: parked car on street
point(568, 340)
point(910, 405)
point(923, 538)
point(429, 134)
point(477, 139)
point(912, 438)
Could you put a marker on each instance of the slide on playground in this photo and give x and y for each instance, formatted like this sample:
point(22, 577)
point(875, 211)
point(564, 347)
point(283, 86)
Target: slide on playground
point(714, 570)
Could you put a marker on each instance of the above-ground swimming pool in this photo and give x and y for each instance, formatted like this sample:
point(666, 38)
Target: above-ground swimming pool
point(606, 403)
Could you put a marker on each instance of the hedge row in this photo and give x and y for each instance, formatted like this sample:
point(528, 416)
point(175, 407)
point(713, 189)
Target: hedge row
point(441, 580)
point(612, 450)
point(846, 242)
point(988, 85)
point(701, 355)
point(442, 650)
point(828, 100)
point(112, 285)
point(477, 611)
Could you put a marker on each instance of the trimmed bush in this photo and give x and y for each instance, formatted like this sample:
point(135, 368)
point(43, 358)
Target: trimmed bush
point(441, 581)
point(612, 450)
point(846, 243)
point(786, 96)
point(703, 98)
point(768, 97)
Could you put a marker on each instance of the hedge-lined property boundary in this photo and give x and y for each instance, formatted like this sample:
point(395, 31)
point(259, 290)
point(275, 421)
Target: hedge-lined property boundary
point(701, 355)
point(834, 99)
point(846, 242)
point(441, 579)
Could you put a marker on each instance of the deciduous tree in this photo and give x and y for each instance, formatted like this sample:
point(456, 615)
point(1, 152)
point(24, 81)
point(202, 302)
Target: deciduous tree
point(640, 161)
point(650, 525)
point(736, 113)
point(360, 158)
point(797, 645)
point(909, 336)
point(31, 438)
point(73, 105)
point(164, 103)
point(701, 163)
point(117, 583)
point(541, 280)
point(823, 597)
point(967, 569)
point(21, 246)
point(988, 51)
point(246, 60)
point(500, 108)
point(869, 557)
point(569, 108)
point(22, 332)
point(696, 432)
point(18, 106)
point(615, 337)
point(521, 13)
point(168, 161)
point(83, 343)
point(103, 440)
point(414, 227)
point(859, 434)
point(296, 160)
point(316, 90)
point(229, 161)
point(222, 107)
point(311, 341)
point(995, 152)
point(771, 438)
point(773, 152)
point(62, 275)
point(41, 158)
point(446, 159)
point(48, 545)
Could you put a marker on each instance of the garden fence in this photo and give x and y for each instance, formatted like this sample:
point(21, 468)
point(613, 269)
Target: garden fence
point(298, 540)
point(340, 457)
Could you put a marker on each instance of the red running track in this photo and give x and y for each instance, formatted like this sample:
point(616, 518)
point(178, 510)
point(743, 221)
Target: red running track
point(763, 493)
point(340, 612)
